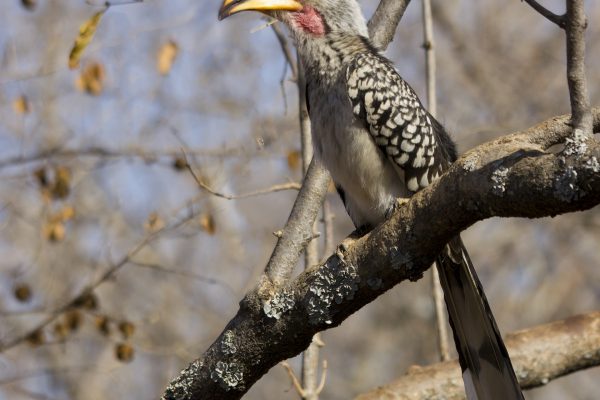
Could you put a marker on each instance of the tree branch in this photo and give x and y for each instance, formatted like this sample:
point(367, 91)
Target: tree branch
point(430, 78)
point(298, 229)
point(578, 92)
point(513, 176)
point(550, 16)
point(384, 21)
point(538, 355)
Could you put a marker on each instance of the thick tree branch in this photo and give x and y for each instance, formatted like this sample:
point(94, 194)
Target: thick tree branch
point(513, 176)
point(382, 25)
point(539, 355)
point(298, 230)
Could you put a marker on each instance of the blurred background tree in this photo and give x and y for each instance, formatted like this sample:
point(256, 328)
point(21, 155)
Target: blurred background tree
point(116, 269)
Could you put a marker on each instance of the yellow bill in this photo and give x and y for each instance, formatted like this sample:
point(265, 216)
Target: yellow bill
point(231, 7)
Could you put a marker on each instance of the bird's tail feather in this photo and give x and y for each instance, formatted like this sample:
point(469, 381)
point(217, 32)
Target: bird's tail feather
point(487, 371)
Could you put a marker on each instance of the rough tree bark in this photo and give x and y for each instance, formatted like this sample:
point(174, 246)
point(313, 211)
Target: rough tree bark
point(539, 355)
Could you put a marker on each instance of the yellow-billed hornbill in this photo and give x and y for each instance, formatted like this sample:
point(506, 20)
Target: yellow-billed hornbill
point(380, 144)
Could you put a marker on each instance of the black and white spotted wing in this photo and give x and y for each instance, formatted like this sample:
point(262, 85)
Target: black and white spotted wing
point(397, 121)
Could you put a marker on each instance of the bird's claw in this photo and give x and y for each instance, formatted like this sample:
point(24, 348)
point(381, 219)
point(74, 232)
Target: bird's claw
point(399, 203)
point(342, 249)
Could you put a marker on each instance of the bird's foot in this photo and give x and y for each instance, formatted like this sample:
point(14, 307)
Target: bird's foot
point(342, 249)
point(399, 203)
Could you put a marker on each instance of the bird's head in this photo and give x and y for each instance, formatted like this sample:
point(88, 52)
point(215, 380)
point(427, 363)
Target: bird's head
point(306, 18)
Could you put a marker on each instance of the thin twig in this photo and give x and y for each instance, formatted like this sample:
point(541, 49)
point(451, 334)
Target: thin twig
point(100, 152)
point(550, 16)
point(293, 378)
point(430, 76)
point(200, 278)
point(578, 92)
point(285, 48)
point(328, 217)
point(108, 4)
point(323, 377)
point(271, 189)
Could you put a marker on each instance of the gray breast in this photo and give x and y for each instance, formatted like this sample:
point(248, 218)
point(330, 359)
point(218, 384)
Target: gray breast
point(370, 181)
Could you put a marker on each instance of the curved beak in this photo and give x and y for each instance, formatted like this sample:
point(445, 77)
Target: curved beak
point(231, 7)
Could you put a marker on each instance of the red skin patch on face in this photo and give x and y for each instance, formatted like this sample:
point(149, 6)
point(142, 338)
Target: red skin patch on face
point(309, 20)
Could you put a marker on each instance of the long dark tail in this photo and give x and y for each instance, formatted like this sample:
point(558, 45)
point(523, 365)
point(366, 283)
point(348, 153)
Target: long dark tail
point(487, 371)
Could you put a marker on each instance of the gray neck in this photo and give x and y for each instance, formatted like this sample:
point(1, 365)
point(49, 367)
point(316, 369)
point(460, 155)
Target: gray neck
point(326, 58)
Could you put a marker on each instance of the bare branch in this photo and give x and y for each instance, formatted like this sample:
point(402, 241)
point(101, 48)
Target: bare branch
point(293, 378)
point(271, 189)
point(100, 152)
point(328, 217)
point(285, 48)
point(510, 177)
point(430, 65)
point(430, 77)
point(538, 355)
point(555, 18)
point(578, 92)
point(323, 377)
point(188, 275)
point(384, 21)
point(298, 229)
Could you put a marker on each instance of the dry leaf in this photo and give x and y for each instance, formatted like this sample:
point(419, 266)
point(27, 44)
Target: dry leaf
point(124, 352)
point(61, 331)
point(54, 231)
point(63, 215)
point(166, 57)
point(72, 320)
point(87, 301)
point(67, 213)
point(41, 176)
point(36, 338)
point(22, 292)
point(55, 186)
point(154, 222)
point(86, 34)
point(29, 4)
point(127, 329)
point(103, 325)
point(62, 183)
point(91, 79)
point(207, 223)
point(180, 163)
point(21, 105)
point(293, 159)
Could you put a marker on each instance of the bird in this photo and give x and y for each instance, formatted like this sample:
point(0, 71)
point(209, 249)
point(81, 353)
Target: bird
point(381, 145)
